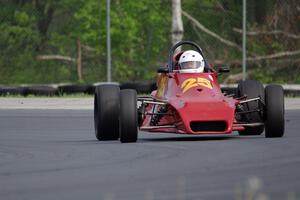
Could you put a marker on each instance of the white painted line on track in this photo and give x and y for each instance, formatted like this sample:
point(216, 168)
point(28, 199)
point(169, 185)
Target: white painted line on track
point(47, 103)
point(81, 103)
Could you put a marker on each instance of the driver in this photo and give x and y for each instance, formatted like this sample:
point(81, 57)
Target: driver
point(191, 61)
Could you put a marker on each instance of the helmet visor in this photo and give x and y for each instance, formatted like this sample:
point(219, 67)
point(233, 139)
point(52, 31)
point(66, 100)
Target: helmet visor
point(190, 65)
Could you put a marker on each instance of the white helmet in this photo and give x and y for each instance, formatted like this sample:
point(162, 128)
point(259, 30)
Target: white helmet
point(191, 61)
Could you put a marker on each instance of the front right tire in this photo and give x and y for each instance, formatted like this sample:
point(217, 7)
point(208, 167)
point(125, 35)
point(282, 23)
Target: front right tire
point(106, 112)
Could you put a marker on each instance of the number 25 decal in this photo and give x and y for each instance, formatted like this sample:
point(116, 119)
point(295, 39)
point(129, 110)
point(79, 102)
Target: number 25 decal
point(193, 82)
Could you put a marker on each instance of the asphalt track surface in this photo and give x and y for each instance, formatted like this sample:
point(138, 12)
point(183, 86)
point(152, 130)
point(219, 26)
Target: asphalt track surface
point(53, 154)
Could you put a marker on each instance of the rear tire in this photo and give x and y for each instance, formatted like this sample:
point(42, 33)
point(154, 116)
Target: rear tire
point(106, 112)
point(251, 89)
point(274, 111)
point(128, 116)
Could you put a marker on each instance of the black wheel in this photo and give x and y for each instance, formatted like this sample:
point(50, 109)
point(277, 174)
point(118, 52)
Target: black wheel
point(106, 112)
point(274, 111)
point(128, 116)
point(252, 89)
point(73, 89)
point(42, 90)
point(8, 90)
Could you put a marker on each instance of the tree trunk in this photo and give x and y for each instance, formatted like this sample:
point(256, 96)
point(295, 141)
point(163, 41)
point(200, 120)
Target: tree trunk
point(177, 27)
point(260, 8)
point(45, 11)
point(79, 60)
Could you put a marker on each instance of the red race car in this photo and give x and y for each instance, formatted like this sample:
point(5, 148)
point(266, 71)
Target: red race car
point(189, 100)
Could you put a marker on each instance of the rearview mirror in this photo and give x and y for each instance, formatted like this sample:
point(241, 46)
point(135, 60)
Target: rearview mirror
point(223, 69)
point(163, 70)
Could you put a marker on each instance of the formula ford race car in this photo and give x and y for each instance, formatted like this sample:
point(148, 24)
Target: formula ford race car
point(188, 103)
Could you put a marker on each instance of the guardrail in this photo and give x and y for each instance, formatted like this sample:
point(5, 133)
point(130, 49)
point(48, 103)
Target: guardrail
point(140, 87)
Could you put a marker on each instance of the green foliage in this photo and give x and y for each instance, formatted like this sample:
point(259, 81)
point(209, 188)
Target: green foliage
point(140, 36)
point(136, 33)
point(219, 16)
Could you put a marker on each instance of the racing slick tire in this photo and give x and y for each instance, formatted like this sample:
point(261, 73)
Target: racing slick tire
point(251, 89)
point(106, 112)
point(128, 116)
point(274, 111)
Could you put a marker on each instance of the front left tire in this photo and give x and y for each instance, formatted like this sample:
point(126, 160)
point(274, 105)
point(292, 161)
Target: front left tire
point(274, 111)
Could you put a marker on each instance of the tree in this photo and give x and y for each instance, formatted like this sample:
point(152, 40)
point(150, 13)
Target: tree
point(177, 27)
